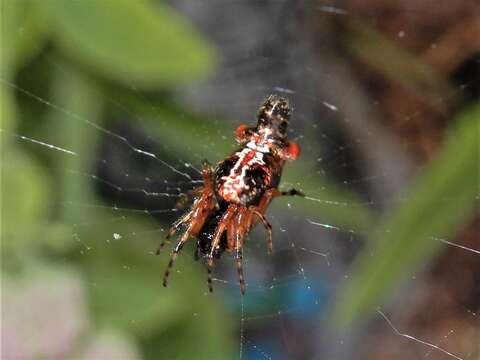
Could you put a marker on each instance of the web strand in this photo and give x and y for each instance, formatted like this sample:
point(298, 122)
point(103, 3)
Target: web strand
point(96, 126)
point(417, 340)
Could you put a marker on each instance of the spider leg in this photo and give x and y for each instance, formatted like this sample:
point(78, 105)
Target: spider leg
point(291, 192)
point(272, 193)
point(268, 227)
point(243, 223)
point(184, 198)
point(174, 228)
point(205, 203)
point(207, 174)
point(201, 207)
point(239, 262)
point(222, 225)
point(196, 252)
point(174, 255)
point(231, 244)
point(266, 199)
point(231, 233)
point(216, 240)
point(209, 276)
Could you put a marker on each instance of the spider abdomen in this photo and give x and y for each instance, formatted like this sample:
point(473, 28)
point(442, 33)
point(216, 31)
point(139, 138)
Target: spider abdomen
point(243, 177)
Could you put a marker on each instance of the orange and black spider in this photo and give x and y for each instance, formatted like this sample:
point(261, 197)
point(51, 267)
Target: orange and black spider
point(236, 193)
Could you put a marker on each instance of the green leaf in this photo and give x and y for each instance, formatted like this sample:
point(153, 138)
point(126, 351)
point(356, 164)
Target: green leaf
point(24, 30)
point(137, 42)
point(26, 198)
point(439, 203)
point(8, 111)
point(75, 92)
point(26, 191)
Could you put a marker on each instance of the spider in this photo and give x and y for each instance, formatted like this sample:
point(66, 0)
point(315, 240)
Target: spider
point(236, 193)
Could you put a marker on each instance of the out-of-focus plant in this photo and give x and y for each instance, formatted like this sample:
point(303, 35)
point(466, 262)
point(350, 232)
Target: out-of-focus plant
point(58, 324)
point(72, 54)
point(65, 54)
point(442, 200)
point(374, 48)
point(68, 55)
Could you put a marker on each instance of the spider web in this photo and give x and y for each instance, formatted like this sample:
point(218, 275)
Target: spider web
point(284, 313)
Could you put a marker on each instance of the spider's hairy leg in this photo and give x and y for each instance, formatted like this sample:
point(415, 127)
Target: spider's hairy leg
point(205, 202)
point(196, 252)
point(174, 255)
point(239, 262)
point(196, 218)
point(266, 198)
point(221, 227)
point(186, 197)
point(235, 242)
point(258, 212)
point(201, 209)
point(175, 226)
point(273, 193)
point(268, 227)
point(291, 192)
point(231, 233)
point(209, 275)
point(230, 246)
point(201, 206)
point(207, 170)
point(241, 227)
point(260, 209)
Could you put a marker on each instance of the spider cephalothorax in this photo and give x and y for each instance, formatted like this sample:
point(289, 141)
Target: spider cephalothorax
point(236, 193)
point(274, 115)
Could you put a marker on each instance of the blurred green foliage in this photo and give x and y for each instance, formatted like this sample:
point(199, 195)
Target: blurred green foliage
point(105, 47)
point(92, 44)
point(440, 202)
point(92, 47)
point(135, 42)
point(443, 198)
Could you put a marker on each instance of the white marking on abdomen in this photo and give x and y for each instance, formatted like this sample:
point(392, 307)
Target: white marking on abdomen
point(233, 183)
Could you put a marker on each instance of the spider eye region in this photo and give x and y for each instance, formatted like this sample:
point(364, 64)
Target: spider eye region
point(274, 114)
